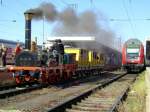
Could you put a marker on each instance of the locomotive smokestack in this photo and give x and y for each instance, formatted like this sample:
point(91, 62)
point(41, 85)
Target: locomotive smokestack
point(28, 18)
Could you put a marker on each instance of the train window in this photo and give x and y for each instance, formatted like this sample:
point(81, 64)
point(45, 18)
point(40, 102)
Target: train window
point(83, 54)
point(81, 51)
point(94, 55)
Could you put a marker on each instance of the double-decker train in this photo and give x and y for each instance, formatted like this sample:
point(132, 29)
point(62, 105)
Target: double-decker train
point(133, 55)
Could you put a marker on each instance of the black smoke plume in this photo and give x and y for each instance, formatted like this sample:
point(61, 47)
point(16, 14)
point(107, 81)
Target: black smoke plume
point(46, 10)
point(69, 23)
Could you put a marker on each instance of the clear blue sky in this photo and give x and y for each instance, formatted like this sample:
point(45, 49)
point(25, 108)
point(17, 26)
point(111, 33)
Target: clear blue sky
point(122, 10)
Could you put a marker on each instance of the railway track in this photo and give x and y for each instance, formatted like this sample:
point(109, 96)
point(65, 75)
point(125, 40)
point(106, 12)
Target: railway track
point(11, 90)
point(104, 97)
point(13, 86)
point(52, 97)
point(19, 90)
point(6, 87)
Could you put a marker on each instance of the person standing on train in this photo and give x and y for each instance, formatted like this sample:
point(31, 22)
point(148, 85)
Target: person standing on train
point(60, 51)
point(55, 51)
point(4, 54)
point(18, 49)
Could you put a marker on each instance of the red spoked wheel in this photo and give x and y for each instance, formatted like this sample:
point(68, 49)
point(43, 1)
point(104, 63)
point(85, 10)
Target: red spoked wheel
point(52, 79)
point(43, 78)
point(70, 74)
point(18, 79)
point(58, 78)
point(27, 78)
point(65, 77)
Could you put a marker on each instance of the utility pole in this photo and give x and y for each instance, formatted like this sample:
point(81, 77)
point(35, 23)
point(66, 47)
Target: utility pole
point(119, 43)
point(1, 2)
point(36, 40)
point(43, 32)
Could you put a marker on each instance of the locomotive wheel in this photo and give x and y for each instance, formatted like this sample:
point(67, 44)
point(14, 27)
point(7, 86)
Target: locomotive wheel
point(58, 78)
point(54, 79)
point(18, 79)
point(44, 79)
point(51, 79)
point(27, 78)
point(65, 77)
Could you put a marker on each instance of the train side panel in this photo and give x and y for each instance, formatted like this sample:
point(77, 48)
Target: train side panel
point(81, 56)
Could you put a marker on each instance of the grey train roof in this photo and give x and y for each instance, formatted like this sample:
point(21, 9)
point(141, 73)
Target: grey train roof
point(133, 41)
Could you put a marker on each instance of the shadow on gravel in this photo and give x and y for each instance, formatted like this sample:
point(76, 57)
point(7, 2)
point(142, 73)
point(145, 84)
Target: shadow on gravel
point(83, 80)
point(136, 72)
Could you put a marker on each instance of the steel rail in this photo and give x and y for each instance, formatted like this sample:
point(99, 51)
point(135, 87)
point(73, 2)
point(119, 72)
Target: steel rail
point(67, 104)
point(15, 91)
point(120, 98)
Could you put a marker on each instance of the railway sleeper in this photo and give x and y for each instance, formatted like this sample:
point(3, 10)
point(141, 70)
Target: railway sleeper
point(99, 105)
point(104, 103)
point(101, 96)
point(85, 108)
point(73, 110)
point(100, 99)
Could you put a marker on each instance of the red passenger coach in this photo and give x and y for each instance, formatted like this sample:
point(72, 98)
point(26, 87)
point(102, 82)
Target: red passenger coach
point(133, 55)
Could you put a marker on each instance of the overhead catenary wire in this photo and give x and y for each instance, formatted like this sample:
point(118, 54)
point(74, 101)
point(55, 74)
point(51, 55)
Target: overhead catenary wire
point(98, 11)
point(72, 5)
point(127, 20)
point(6, 7)
point(64, 2)
point(132, 14)
point(130, 22)
point(118, 19)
